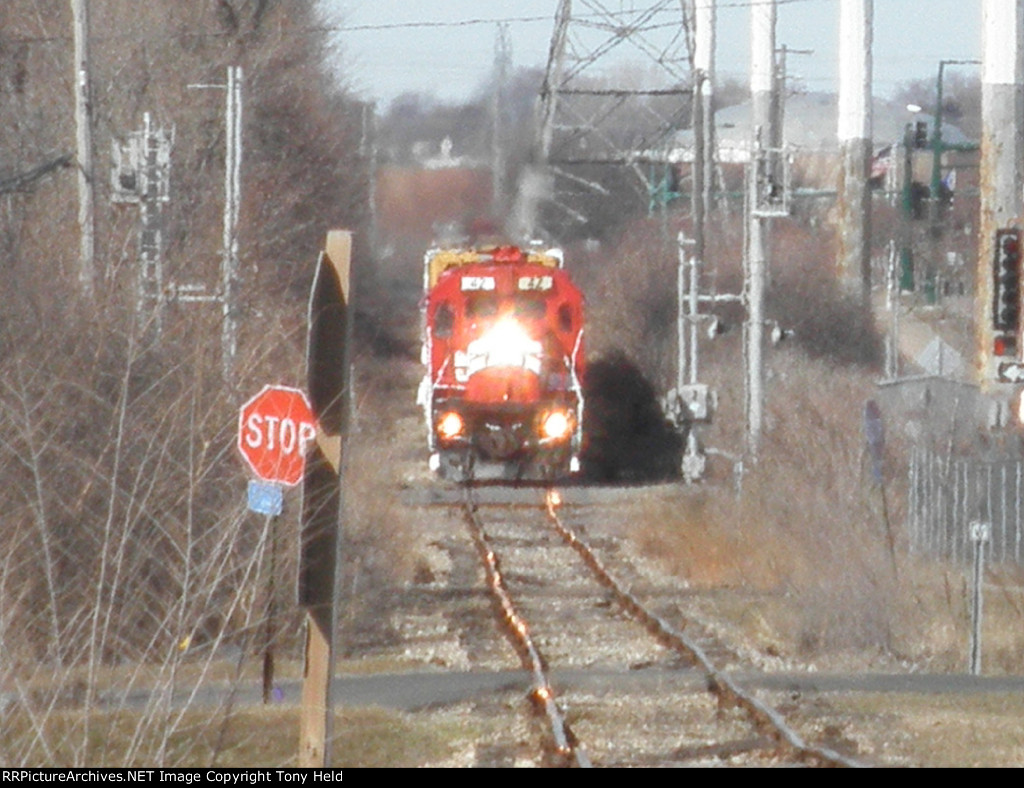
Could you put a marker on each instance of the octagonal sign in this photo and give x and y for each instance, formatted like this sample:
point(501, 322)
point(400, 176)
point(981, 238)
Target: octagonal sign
point(274, 429)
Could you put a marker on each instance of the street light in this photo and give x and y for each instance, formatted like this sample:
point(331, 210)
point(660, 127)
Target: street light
point(938, 148)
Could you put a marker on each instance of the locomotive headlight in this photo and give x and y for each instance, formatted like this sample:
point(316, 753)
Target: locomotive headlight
point(506, 345)
point(450, 426)
point(556, 425)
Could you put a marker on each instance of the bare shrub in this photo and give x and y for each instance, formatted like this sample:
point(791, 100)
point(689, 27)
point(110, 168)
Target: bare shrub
point(131, 574)
point(809, 525)
point(806, 298)
point(631, 298)
point(129, 545)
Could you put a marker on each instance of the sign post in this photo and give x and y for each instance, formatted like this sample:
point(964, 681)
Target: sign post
point(981, 535)
point(274, 429)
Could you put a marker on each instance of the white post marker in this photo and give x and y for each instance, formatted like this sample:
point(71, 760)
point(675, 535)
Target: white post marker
point(981, 534)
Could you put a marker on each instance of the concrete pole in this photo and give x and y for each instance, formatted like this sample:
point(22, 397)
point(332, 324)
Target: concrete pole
point(232, 205)
point(1002, 156)
point(83, 141)
point(855, 132)
point(762, 89)
point(703, 119)
point(706, 20)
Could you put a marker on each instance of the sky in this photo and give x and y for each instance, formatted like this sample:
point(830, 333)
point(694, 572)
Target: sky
point(382, 59)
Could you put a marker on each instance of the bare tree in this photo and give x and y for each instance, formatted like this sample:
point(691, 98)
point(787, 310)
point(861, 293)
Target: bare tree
point(131, 574)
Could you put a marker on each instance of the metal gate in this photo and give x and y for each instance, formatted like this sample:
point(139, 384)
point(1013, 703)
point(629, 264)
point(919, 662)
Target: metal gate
point(947, 494)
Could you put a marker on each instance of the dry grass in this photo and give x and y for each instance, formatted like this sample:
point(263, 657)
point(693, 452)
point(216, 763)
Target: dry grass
point(811, 535)
point(810, 539)
point(364, 738)
point(938, 731)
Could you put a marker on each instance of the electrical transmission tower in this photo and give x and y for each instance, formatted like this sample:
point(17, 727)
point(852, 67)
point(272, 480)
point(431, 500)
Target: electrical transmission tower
point(500, 118)
point(598, 110)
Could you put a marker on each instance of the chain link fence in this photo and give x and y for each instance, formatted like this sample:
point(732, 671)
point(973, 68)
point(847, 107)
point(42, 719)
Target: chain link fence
point(947, 494)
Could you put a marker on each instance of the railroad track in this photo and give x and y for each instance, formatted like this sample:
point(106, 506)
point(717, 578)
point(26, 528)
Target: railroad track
point(562, 608)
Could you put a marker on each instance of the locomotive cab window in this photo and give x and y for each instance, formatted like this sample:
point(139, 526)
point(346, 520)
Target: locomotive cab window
point(481, 306)
point(530, 308)
point(565, 320)
point(444, 321)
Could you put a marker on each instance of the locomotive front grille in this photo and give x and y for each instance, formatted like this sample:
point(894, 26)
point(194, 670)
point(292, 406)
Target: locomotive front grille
point(501, 441)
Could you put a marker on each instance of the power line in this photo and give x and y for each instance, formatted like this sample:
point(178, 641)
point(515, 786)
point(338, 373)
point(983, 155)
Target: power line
point(22, 180)
point(343, 28)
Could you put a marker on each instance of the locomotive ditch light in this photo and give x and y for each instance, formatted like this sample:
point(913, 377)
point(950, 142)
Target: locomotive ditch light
point(450, 426)
point(557, 425)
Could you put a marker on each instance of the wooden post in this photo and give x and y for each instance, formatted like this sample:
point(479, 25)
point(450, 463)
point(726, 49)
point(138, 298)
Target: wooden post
point(323, 504)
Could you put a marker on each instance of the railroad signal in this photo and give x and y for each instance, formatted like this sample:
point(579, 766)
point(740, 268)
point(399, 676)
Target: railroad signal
point(274, 428)
point(1007, 292)
point(921, 135)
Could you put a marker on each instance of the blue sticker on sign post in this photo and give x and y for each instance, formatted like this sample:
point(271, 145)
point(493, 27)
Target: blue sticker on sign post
point(266, 498)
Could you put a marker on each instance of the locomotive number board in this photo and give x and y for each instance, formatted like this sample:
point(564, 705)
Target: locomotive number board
point(542, 283)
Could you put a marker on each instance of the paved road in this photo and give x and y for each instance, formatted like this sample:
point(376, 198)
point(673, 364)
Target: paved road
point(435, 494)
point(411, 691)
point(418, 690)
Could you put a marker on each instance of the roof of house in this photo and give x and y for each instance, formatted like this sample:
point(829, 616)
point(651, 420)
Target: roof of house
point(811, 123)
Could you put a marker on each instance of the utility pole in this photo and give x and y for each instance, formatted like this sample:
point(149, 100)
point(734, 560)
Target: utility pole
point(1002, 170)
point(855, 133)
point(762, 88)
point(703, 119)
point(232, 207)
point(83, 136)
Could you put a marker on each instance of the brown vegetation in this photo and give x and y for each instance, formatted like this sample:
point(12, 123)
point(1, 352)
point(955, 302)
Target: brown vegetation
point(127, 543)
point(413, 203)
point(804, 534)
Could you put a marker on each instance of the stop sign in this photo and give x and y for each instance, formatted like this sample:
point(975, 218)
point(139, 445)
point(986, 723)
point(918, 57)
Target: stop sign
point(274, 428)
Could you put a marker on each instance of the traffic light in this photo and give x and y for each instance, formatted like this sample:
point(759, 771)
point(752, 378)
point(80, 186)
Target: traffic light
point(1006, 302)
point(921, 134)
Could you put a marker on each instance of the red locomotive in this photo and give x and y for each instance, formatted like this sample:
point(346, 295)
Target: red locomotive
point(503, 350)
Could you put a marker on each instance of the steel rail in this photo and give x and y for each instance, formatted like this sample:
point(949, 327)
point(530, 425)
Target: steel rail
point(767, 719)
point(542, 695)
